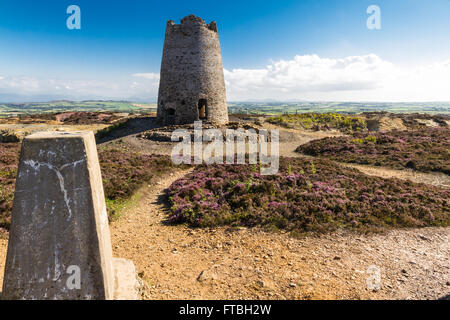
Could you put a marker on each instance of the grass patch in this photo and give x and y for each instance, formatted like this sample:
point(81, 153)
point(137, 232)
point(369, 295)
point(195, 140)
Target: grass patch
point(304, 197)
point(116, 207)
point(320, 121)
point(125, 172)
point(106, 132)
point(423, 150)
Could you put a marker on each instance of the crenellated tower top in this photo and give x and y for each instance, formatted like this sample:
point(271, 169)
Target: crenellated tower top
point(191, 21)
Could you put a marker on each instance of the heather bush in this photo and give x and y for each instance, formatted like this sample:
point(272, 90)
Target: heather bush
point(7, 136)
point(304, 197)
point(423, 150)
point(123, 174)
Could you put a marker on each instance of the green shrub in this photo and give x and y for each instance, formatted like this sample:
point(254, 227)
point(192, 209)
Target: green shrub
point(321, 121)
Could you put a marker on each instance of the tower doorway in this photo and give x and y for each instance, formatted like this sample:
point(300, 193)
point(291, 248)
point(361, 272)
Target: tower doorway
point(170, 117)
point(202, 109)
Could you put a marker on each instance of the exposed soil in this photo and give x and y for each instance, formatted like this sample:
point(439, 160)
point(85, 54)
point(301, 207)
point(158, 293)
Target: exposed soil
point(26, 129)
point(3, 249)
point(387, 121)
point(178, 262)
point(183, 263)
point(433, 178)
point(130, 138)
point(290, 139)
point(66, 121)
point(69, 118)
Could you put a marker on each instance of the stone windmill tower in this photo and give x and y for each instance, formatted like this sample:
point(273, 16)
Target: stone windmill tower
point(192, 85)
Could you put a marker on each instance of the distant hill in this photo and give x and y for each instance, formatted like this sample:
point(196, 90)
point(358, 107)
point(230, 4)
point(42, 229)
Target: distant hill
point(65, 105)
point(274, 108)
point(249, 107)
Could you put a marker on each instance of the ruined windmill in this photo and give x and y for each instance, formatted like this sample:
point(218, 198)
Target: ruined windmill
point(192, 85)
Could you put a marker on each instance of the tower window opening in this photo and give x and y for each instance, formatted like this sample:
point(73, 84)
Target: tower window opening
point(202, 109)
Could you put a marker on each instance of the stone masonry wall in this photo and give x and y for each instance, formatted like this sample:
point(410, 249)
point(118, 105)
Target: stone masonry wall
point(191, 70)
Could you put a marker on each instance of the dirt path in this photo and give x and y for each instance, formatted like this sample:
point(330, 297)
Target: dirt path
point(290, 139)
point(436, 179)
point(182, 263)
point(3, 249)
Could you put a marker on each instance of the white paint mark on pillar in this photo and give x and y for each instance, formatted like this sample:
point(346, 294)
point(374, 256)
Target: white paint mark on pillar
point(36, 165)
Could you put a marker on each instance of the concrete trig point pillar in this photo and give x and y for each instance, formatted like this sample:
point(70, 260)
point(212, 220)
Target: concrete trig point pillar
point(59, 244)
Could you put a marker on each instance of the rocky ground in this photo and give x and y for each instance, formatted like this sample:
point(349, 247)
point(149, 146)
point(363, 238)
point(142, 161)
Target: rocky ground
point(178, 262)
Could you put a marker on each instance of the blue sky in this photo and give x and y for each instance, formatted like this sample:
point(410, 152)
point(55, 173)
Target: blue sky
point(117, 52)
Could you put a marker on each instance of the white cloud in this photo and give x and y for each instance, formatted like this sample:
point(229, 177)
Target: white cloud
point(30, 87)
point(150, 75)
point(307, 77)
point(356, 78)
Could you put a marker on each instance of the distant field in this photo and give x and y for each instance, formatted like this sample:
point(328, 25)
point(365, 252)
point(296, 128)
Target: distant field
point(254, 108)
point(63, 106)
point(337, 107)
